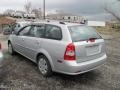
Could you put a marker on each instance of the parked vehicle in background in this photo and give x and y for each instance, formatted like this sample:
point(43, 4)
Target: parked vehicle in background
point(67, 48)
point(7, 29)
point(7, 32)
point(20, 24)
point(17, 15)
point(29, 16)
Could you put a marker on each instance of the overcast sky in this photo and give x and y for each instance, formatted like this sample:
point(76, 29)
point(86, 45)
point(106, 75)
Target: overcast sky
point(83, 7)
point(77, 6)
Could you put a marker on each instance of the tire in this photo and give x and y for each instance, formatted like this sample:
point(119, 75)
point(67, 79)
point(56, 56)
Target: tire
point(44, 66)
point(10, 49)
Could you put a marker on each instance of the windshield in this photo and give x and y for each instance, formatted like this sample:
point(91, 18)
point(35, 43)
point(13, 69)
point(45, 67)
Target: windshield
point(81, 33)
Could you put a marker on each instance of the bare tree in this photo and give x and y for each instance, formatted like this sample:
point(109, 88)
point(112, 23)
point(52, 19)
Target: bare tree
point(37, 12)
point(111, 11)
point(28, 7)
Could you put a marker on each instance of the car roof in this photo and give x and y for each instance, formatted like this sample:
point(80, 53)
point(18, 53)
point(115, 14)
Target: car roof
point(57, 23)
point(23, 22)
point(52, 22)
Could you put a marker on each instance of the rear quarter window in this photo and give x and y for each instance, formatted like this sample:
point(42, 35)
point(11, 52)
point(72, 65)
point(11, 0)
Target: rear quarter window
point(53, 32)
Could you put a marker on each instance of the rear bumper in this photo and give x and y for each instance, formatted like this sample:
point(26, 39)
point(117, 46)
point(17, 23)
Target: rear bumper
point(73, 68)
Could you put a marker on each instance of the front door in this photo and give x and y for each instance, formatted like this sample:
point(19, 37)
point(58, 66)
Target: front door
point(19, 40)
point(33, 41)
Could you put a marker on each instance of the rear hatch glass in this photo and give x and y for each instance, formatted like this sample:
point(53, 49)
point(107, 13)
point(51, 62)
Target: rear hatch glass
point(82, 33)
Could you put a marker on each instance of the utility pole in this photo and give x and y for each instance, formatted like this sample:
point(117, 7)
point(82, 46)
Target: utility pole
point(43, 9)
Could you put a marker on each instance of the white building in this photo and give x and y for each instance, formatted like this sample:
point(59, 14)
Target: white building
point(29, 16)
point(65, 17)
point(18, 14)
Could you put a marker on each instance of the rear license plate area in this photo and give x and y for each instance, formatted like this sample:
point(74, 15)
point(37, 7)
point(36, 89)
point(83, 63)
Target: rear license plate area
point(92, 50)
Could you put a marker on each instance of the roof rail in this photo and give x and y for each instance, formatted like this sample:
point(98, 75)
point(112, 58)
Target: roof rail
point(60, 22)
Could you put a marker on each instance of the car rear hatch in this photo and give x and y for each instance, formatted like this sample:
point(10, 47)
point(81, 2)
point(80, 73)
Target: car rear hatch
point(89, 45)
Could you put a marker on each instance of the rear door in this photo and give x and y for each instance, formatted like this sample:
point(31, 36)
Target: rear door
point(53, 44)
point(89, 45)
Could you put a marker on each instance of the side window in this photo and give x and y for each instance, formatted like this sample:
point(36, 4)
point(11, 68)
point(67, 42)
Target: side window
point(25, 31)
point(53, 32)
point(39, 31)
point(31, 32)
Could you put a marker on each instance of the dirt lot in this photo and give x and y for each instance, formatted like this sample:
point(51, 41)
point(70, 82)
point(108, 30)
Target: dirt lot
point(20, 73)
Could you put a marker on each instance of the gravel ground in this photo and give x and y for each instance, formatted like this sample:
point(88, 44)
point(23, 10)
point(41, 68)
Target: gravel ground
point(19, 73)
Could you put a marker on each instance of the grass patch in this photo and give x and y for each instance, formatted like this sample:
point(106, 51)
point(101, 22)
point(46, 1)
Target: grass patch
point(110, 29)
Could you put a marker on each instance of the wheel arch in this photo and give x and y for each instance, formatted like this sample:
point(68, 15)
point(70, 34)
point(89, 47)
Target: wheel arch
point(48, 57)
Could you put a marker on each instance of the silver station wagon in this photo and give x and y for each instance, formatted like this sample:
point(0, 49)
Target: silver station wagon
point(67, 48)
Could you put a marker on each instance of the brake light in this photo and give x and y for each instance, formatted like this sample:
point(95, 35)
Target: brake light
point(91, 40)
point(70, 52)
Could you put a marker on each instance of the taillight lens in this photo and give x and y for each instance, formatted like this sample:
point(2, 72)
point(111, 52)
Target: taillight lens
point(70, 52)
point(92, 40)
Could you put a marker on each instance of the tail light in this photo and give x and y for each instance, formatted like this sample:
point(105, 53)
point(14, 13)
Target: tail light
point(92, 40)
point(70, 52)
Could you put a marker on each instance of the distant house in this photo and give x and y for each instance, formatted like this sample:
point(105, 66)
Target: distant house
point(18, 14)
point(29, 16)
